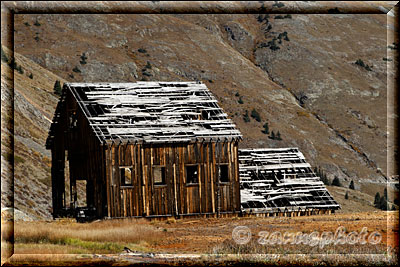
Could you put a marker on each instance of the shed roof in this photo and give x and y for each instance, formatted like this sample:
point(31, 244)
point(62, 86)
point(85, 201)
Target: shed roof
point(280, 178)
point(152, 112)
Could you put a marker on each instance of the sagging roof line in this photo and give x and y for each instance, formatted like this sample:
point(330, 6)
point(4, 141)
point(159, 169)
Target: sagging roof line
point(265, 185)
point(152, 112)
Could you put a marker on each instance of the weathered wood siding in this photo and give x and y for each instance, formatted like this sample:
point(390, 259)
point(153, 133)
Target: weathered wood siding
point(176, 197)
point(85, 156)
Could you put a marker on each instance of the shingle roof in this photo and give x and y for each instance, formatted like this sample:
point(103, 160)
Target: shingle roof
point(280, 178)
point(153, 112)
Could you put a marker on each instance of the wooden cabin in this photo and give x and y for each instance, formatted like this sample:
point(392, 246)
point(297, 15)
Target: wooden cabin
point(143, 149)
point(279, 180)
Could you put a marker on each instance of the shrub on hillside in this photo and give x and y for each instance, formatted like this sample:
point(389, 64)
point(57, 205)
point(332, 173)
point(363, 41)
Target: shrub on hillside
point(351, 186)
point(272, 136)
point(246, 117)
point(76, 69)
point(148, 65)
point(19, 69)
point(57, 88)
point(255, 115)
point(266, 128)
point(83, 59)
point(383, 205)
point(377, 199)
point(12, 63)
point(278, 136)
point(336, 181)
point(361, 63)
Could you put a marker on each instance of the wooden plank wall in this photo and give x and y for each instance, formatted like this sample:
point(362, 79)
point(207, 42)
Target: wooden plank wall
point(144, 198)
point(58, 168)
point(57, 177)
point(86, 160)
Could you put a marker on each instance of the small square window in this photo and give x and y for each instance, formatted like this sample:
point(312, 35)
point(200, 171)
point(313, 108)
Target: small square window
point(159, 175)
point(192, 174)
point(223, 173)
point(126, 176)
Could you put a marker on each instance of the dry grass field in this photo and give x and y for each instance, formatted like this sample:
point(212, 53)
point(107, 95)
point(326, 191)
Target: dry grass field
point(202, 236)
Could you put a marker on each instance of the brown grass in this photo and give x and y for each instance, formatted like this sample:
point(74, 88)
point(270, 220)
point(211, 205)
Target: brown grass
point(120, 231)
point(197, 235)
point(69, 237)
point(253, 247)
point(302, 113)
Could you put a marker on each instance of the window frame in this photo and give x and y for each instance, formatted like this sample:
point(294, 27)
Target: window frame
point(163, 176)
point(123, 184)
point(219, 174)
point(186, 176)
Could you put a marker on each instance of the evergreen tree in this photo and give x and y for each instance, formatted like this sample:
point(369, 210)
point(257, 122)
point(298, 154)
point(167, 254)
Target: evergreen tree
point(240, 101)
point(383, 203)
point(83, 59)
point(57, 88)
point(272, 136)
point(12, 63)
point(360, 63)
point(255, 115)
point(19, 69)
point(278, 136)
point(347, 195)
point(246, 117)
point(351, 186)
point(31, 76)
point(266, 128)
point(237, 94)
point(336, 181)
point(385, 195)
point(377, 199)
point(76, 69)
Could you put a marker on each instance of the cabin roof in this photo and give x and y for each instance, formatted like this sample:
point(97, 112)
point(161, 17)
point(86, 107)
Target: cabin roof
point(152, 112)
point(272, 178)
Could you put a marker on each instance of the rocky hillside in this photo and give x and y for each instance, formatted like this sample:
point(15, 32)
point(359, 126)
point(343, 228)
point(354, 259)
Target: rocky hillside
point(298, 73)
point(34, 104)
